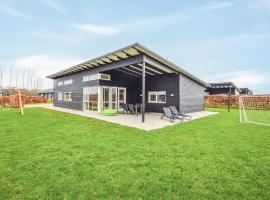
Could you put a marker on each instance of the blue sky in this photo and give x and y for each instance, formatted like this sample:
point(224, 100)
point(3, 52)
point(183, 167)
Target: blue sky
point(214, 40)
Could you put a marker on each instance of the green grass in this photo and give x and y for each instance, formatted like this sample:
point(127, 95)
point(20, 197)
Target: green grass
point(52, 155)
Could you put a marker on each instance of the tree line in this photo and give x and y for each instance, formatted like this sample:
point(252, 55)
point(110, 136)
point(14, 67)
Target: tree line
point(20, 78)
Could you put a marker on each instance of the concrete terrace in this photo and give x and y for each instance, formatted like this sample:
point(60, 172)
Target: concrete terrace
point(152, 121)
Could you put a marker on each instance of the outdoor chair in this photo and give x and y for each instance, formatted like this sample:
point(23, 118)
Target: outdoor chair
point(131, 108)
point(125, 108)
point(178, 113)
point(138, 106)
point(168, 113)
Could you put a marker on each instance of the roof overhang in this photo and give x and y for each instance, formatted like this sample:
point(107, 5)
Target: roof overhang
point(224, 85)
point(155, 64)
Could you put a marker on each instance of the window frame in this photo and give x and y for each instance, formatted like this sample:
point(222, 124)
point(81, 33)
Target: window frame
point(156, 93)
point(67, 82)
point(60, 94)
point(90, 77)
point(60, 83)
point(69, 95)
point(105, 79)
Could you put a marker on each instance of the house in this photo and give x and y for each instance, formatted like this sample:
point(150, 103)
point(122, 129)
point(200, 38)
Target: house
point(48, 93)
point(222, 88)
point(246, 91)
point(133, 74)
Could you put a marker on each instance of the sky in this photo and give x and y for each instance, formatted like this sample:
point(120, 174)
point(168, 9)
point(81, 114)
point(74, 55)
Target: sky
point(214, 40)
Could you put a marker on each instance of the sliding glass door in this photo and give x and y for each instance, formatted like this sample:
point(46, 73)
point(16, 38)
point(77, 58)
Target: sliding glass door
point(109, 98)
point(99, 98)
point(122, 95)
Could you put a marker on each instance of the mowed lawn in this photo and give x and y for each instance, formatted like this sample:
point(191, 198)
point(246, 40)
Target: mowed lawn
point(51, 155)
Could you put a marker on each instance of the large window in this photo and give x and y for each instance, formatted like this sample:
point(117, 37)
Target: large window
point(157, 97)
point(68, 96)
point(60, 96)
point(68, 82)
point(93, 77)
point(106, 77)
point(90, 98)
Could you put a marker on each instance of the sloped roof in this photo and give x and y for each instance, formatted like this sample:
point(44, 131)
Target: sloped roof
point(121, 54)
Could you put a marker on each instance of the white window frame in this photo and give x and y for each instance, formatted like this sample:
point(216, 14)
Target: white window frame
point(106, 79)
point(90, 77)
point(60, 83)
point(156, 93)
point(60, 96)
point(67, 82)
point(70, 96)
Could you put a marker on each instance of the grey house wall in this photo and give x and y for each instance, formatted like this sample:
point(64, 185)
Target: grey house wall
point(191, 95)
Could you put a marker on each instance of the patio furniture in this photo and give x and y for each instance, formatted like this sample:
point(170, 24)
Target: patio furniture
point(131, 108)
point(125, 108)
point(109, 112)
point(179, 113)
point(138, 108)
point(168, 113)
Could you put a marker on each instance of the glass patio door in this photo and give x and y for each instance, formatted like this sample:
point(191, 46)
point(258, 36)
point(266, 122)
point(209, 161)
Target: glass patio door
point(109, 98)
point(122, 96)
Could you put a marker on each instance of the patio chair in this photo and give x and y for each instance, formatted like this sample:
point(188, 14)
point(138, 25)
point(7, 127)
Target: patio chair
point(125, 108)
point(168, 113)
point(178, 113)
point(131, 108)
point(138, 107)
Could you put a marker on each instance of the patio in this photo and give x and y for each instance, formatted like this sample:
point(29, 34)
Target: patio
point(152, 121)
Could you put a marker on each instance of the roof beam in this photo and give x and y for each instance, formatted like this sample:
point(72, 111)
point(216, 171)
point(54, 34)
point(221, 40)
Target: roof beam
point(121, 54)
point(153, 63)
point(131, 71)
point(105, 59)
point(149, 68)
point(113, 57)
point(140, 69)
point(127, 72)
point(131, 52)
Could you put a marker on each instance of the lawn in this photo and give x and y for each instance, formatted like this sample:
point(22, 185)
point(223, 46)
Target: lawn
point(51, 155)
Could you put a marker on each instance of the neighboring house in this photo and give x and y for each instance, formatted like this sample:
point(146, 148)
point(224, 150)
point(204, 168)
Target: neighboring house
point(246, 91)
point(133, 74)
point(48, 93)
point(222, 88)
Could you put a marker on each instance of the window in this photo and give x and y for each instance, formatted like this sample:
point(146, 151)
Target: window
point(90, 98)
point(60, 96)
point(68, 82)
point(90, 77)
point(106, 77)
point(68, 96)
point(157, 97)
point(60, 83)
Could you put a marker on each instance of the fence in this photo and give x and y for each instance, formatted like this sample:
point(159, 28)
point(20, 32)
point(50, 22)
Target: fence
point(13, 100)
point(221, 101)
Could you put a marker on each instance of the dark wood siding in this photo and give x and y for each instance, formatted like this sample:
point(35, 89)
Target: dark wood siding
point(191, 95)
point(163, 82)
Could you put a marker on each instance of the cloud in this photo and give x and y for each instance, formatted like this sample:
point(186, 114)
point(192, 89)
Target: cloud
point(97, 29)
point(11, 12)
point(44, 65)
point(54, 6)
point(153, 22)
point(242, 78)
point(46, 62)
